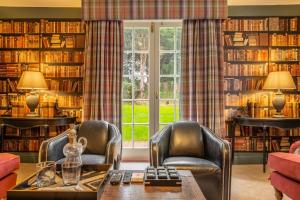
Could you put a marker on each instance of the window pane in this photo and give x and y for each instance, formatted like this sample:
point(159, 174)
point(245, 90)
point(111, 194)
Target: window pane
point(177, 88)
point(141, 136)
point(141, 64)
point(141, 85)
point(127, 88)
point(177, 111)
point(166, 88)
point(167, 38)
point(128, 39)
point(178, 63)
point(141, 112)
point(127, 112)
point(166, 111)
point(127, 135)
point(167, 63)
point(127, 63)
point(178, 39)
point(141, 37)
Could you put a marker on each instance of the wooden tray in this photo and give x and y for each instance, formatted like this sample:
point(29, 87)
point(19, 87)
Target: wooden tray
point(91, 184)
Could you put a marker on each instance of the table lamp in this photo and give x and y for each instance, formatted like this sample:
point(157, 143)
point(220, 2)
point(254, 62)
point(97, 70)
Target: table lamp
point(33, 81)
point(281, 80)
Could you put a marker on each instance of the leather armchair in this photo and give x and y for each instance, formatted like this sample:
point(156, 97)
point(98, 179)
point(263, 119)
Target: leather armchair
point(103, 144)
point(190, 146)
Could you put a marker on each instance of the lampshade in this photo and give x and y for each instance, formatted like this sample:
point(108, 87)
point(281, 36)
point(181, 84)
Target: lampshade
point(32, 80)
point(279, 80)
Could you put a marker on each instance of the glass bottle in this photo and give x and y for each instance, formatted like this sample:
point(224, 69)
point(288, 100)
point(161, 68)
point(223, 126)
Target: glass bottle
point(71, 166)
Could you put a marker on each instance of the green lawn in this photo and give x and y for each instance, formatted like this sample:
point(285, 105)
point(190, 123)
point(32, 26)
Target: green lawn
point(141, 115)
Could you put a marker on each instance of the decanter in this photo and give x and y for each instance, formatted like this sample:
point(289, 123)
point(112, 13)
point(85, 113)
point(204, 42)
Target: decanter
point(71, 166)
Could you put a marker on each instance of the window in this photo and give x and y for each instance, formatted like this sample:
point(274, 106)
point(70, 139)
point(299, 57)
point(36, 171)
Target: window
point(151, 78)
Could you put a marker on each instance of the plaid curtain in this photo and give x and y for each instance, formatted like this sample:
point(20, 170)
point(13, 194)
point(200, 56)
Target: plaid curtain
point(153, 9)
point(103, 71)
point(202, 74)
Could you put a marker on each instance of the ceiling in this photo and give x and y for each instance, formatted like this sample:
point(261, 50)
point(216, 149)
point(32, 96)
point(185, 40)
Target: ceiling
point(77, 3)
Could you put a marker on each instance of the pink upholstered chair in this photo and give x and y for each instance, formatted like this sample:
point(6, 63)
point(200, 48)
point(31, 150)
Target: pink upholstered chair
point(8, 164)
point(285, 175)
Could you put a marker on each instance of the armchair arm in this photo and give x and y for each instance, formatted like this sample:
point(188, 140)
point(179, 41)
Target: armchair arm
point(159, 146)
point(295, 147)
point(114, 148)
point(218, 151)
point(52, 149)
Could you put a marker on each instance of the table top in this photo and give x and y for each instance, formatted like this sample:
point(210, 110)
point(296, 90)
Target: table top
point(29, 122)
point(189, 190)
point(285, 123)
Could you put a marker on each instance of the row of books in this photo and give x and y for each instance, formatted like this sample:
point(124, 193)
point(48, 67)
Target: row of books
point(19, 26)
point(27, 41)
point(261, 98)
point(49, 131)
point(62, 26)
point(246, 55)
point(10, 70)
point(65, 85)
point(285, 40)
point(252, 39)
point(76, 41)
point(293, 68)
point(70, 101)
point(44, 26)
point(256, 144)
point(31, 145)
point(246, 69)
point(283, 24)
point(284, 54)
point(8, 86)
point(243, 85)
point(246, 25)
point(19, 56)
point(262, 24)
point(62, 57)
point(61, 71)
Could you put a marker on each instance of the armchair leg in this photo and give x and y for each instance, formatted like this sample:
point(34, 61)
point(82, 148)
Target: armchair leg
point(278, 194)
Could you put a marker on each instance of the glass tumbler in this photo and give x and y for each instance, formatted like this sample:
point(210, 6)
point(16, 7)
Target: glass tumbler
point(45, 173)
point(71, 173)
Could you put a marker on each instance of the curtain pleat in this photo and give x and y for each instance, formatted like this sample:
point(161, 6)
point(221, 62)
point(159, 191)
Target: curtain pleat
point(103, 71)
point(202, 77)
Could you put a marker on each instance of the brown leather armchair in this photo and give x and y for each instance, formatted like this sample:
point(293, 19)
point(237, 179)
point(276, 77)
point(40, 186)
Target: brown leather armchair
point(190, 146)
point(103, 144)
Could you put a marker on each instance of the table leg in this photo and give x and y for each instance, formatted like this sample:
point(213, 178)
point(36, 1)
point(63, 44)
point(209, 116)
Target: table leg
point(264, 148)
point(232, 135)
point(1, 136)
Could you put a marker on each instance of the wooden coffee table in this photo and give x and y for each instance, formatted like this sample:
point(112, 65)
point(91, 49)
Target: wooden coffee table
point(137, 191)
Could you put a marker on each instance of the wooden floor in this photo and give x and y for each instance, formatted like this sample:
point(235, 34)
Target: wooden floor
point(248, 181)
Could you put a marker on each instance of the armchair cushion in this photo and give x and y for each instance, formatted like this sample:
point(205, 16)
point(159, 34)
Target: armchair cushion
point(186, 140)
point(199, 165)
point(88, 159)
point(96, 133)
point(285, 185)
point(8, 163)
point(287, 164)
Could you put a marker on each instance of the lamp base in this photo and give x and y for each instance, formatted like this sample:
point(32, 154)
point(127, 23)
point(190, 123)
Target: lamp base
point(32, 114)
point(278, 104)
point(32, 101)
point(278, 115)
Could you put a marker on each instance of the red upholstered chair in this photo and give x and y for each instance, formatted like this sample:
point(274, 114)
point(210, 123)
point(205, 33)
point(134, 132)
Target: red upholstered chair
point(8, 164)
point(285, 175)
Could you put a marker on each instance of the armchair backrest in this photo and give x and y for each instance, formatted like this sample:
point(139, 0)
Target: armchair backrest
point(97, 135)
point(186, 139)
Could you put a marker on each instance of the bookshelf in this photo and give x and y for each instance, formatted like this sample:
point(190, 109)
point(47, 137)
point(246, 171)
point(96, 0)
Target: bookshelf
point(56, 48)
point(253, 47)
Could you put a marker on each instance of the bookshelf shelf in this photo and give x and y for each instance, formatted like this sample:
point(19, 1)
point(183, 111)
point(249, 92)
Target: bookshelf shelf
point(56, 48)
point(253, 47)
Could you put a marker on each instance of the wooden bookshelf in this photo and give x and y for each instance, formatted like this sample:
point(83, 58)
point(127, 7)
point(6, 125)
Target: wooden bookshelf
point(253, 47)
point(53, 46)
